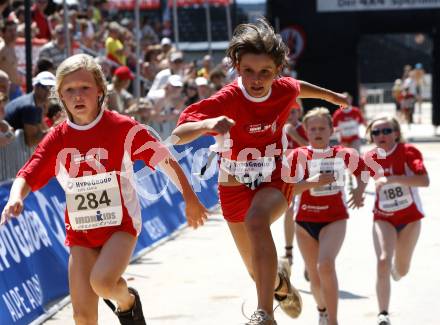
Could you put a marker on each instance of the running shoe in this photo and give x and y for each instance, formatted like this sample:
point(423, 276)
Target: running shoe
point(323, 317)
point(260, 317)
point(291, 302)
point(134, 316)
point(383, 320)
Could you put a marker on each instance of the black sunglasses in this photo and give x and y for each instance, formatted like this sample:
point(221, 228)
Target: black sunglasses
point(384, 131)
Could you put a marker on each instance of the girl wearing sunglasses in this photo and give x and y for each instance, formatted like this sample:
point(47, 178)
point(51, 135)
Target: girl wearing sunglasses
point(397, 209)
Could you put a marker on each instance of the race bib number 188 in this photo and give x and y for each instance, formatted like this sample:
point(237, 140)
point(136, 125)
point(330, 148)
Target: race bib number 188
point(393, 197)
point(94, 201)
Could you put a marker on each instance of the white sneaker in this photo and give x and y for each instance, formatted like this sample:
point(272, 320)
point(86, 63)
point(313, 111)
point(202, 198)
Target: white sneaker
point(394, 274)
point(260, 317)
point(323, 318)
point(383, 320)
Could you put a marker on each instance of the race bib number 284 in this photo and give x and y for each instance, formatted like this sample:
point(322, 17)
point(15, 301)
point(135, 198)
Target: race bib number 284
point(94, 201)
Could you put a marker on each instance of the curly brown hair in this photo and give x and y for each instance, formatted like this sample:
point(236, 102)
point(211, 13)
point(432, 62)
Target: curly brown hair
point(257, 38)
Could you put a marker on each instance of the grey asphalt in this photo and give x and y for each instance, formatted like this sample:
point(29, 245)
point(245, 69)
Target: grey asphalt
point(198, 278)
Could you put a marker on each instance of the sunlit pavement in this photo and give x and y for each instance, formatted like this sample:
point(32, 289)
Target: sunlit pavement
point(198, 278)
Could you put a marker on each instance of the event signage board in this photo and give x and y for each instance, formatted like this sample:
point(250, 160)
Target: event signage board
point(371, 5)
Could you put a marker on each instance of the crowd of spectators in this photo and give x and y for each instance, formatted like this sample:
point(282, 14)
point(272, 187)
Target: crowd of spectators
point(169, 82)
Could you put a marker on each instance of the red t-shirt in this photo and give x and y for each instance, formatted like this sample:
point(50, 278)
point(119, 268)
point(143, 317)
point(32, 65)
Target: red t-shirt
point(291, 143)
point(325, 203)
point(48, 121)
point(348, 121)
point(42, 23)
point(401, 204)
point(259, 121)
point(109, 144)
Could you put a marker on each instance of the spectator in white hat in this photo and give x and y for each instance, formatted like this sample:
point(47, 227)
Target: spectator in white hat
point(203, 89)
point(168, 103)
point(26, 112)
point(175, 64)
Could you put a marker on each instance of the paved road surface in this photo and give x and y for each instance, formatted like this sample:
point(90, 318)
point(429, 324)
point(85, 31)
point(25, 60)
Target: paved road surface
point(197, 278)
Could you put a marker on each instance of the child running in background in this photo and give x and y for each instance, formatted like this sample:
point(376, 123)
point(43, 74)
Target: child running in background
point(397, 208)
point(252, 111)
point(92, 155)
point(346, 121)
point(322, 212)
point(295, 137)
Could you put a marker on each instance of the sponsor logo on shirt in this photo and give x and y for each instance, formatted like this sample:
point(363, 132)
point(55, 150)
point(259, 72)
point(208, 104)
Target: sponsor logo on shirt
point(259, 128)
point(388, 171)
point(84, 158)
point(98, 217)
point(93, 182)
point(314, 207)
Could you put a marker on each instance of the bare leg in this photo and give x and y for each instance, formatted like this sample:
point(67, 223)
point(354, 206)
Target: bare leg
point(84, 299)
point(406, 243)
point(289, 233)
point(241, 239)
point(256, 246)
point(309, 248)
point(267, 205)
point(330, 243)
point(384, 237)
point(106, 275)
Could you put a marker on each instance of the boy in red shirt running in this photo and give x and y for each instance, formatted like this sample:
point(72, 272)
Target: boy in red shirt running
point(253, 110)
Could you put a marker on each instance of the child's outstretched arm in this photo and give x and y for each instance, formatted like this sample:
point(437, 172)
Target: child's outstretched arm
point(308, 90)
point(196, 213)
point(190, 131)
point(20, 189)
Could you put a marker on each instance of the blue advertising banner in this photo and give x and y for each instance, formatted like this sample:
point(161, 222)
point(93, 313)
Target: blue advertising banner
point(161, 203)
point(33, 258)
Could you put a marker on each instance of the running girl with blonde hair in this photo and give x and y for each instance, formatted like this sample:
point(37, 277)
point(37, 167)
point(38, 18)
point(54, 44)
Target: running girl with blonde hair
point(397, 209)
point(92, 155)
point(321, 218)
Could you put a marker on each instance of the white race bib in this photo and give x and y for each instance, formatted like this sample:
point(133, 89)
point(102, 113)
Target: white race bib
point(335, 166)
point(250, 171)
point(394, 197)
point(349, 128)
point(94, 201)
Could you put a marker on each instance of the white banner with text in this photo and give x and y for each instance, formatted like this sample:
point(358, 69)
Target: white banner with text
point(369, 5)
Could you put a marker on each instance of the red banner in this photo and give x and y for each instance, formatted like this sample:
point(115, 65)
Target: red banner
point(187, 3)
point(130, 4)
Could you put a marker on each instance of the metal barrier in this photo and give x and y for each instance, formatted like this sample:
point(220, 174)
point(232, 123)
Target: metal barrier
point(14, 156)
